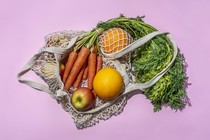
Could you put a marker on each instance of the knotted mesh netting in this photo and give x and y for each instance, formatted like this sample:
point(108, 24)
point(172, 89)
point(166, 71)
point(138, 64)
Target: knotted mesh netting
point(114, 39)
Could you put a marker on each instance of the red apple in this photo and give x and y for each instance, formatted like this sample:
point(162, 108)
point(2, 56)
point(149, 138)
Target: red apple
point(83, 99)
point(62, 68)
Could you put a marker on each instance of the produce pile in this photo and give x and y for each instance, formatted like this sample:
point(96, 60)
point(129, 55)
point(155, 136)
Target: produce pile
point(93, 74)
point(85, 63)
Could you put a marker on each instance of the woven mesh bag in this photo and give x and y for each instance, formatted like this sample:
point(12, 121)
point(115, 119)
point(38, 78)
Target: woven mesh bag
point(46, 64)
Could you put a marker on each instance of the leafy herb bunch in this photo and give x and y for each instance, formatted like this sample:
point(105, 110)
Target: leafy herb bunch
point(151, 58)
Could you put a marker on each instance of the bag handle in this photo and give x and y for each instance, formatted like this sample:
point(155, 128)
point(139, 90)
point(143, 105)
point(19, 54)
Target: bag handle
point(141, 41)
point(39, 86)
point(27, 68)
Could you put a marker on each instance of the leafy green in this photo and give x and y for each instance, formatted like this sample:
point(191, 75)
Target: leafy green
point(151, 58)
point(169, 90)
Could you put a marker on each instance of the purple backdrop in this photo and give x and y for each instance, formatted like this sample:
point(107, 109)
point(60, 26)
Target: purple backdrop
point(27, 114)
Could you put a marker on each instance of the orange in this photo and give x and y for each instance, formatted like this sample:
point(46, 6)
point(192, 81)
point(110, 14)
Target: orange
point(114, 40)
point(108, 83)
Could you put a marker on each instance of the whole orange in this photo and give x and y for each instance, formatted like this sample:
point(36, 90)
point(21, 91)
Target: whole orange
point(108, 83)
point(114, 40)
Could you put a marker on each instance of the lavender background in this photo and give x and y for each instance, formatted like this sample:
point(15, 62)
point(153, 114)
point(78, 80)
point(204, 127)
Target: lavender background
point(29, 114)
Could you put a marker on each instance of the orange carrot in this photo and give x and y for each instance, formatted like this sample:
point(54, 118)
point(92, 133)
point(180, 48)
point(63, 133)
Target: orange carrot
point(85, 74)
point(95, 49)
point(69, 64)
point(82, 56)
point(79, 76)
point(91, 69)
point(99, 63)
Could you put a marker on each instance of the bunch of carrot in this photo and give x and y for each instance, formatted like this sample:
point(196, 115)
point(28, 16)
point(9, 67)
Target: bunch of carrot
point(81, 65)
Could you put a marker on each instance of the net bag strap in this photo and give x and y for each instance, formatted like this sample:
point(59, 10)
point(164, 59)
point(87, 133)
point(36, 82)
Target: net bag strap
point(27, 68)
point(141, 41)
point(39, 86)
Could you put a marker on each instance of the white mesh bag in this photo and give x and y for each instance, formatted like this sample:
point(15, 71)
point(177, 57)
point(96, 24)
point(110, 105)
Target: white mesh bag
point(46, 64)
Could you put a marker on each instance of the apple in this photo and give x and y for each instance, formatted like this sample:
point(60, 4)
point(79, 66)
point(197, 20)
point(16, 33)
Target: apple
point(83, 99)
point(62, 69)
